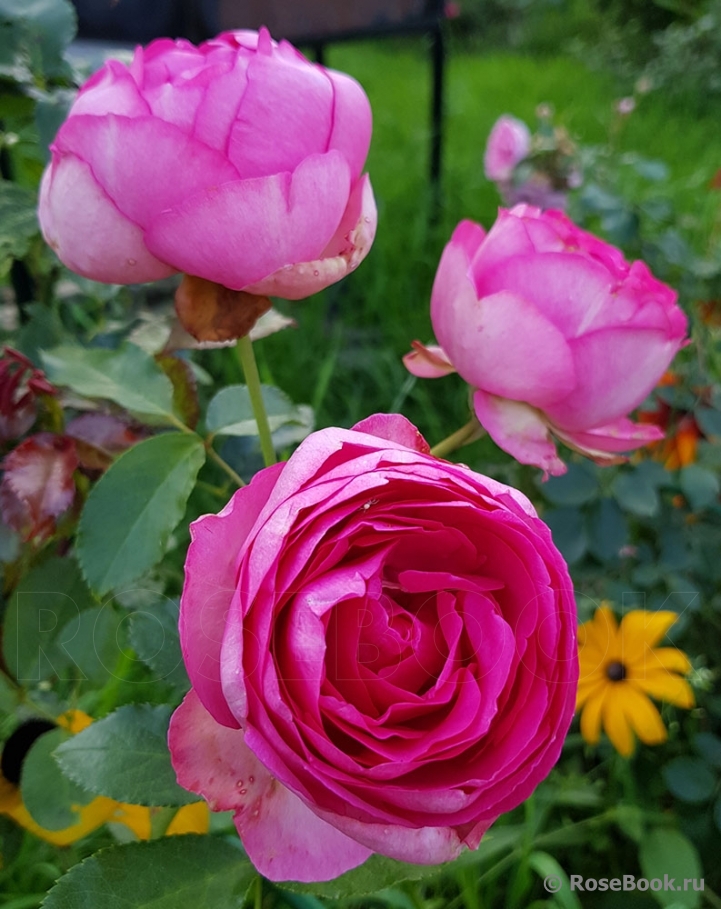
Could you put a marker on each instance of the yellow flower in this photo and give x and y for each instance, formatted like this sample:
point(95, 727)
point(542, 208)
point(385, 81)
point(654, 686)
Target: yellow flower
point(90, 816)
point(194, 818)
point(620, 669)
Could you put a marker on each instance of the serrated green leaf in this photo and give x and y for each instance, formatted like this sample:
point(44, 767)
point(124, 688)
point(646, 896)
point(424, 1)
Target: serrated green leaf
point(635, 493)
point(133, 509)
point(47, 793)
point(93, 641)
point(129, 377)
point(700, 486)
point(230, 414)
point(689, 779)
point(204, 872)
point(665, 851)
point(125, 757)
point(39, 609)
point(154, 638)
point(18, 222)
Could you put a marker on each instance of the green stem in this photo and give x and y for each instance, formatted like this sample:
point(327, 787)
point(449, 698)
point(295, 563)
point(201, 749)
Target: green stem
point(468, 433)
point(213, 454)
point(258, 901)
point(244, 349)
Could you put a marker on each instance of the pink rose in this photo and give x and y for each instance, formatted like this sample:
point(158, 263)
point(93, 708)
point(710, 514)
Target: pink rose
point(556, 333)
point(509, 142)
point(237, 161)
point(382, 651)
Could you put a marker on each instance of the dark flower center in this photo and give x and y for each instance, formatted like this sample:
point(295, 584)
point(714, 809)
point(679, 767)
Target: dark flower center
point(616, 671)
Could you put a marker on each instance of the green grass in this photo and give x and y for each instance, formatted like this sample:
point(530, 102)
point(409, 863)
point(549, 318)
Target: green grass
point(345, 356)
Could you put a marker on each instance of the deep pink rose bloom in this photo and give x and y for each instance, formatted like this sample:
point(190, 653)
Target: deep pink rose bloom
point(237, 161)
point(509, 142)
point(556, 333)
point(382, 648)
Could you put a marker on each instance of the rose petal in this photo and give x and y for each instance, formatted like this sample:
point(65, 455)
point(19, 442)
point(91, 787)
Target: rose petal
point(344, 253)
point(84, 227)
point(283, 218)
point(210, 583)
point(520, 430)
point(284, 839)
point(428, 362)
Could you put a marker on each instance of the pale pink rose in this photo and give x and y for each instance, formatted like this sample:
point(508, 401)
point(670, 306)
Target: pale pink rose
point(237, 161)
point(509, 142)
point(556, 332)
point(382, 648)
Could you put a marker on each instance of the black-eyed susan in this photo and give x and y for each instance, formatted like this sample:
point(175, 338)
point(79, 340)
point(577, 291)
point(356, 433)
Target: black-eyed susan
point(621, 668)
point(194, 818)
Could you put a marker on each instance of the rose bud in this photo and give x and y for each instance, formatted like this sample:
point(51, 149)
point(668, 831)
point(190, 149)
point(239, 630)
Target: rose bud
point(237, 161)
point(509, 142)
point(556, 333)
point(382, 649)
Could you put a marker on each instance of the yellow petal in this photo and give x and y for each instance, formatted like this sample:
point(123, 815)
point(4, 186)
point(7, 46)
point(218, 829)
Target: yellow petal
point(664, 686)
point(9, 796)
point(591, 720)
point(90, 817)
point(597, 640)
point(74, 721)
point(135, 818)
point(193, 818)
point(669, 659)
point(643, 716)
point(594, 687)
point(615, 722)
point(641, 629)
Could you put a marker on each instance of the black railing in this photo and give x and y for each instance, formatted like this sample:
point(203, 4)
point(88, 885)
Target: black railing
point(308, 23)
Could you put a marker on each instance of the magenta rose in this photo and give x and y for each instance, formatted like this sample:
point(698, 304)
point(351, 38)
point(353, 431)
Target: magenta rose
point(509, 142)
point(555, 331)
point(382, 648)
point(237, 161)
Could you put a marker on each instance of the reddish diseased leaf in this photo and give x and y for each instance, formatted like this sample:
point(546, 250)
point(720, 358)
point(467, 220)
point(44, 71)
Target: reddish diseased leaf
point(20, 386)
point(37, 484)
point(100, 437)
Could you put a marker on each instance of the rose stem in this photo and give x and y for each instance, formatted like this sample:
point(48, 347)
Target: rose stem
point(460, 437)
point(244, 349)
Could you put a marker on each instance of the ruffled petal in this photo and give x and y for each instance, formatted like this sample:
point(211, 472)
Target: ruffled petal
point(482, 339)
point(241, 232)
point(88, 232)
point(210, 583)
point(344, 253)
point(428, 361)
point(520, 430)
point(141, 183)
point(284, 839)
